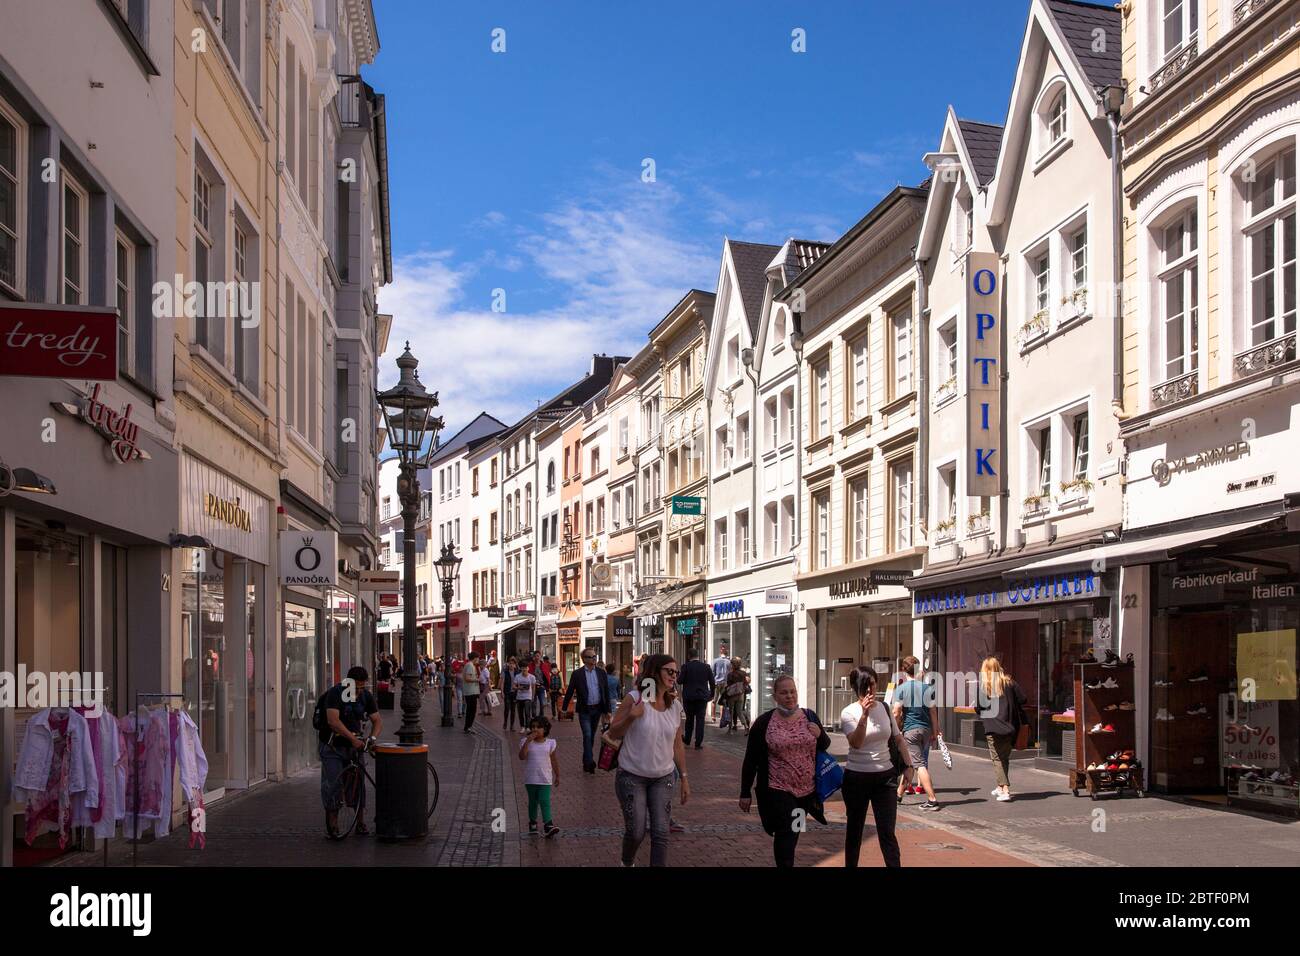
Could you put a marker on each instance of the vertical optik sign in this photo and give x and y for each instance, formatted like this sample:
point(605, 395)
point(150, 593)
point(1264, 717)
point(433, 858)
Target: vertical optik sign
point(985, 474)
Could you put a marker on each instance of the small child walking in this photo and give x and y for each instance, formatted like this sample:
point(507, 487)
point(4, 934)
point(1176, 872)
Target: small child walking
point(541, 773)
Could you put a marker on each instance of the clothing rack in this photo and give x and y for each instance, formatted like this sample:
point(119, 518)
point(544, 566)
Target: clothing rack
point(135, 767)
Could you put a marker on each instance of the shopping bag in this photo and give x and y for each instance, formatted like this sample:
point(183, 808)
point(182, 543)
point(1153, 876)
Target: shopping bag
point(829, 774)
point(609, 747)
point(494, 698)
point(944, 752)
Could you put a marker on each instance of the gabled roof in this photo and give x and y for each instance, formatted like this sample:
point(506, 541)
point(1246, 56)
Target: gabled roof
point(482, 426)
point(750, 260)
point(1079, 23)
point(1046, 29)
point(982, 142)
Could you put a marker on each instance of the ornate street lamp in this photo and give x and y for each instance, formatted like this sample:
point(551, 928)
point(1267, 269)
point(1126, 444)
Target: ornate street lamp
point(447, 566)
point(412, 433)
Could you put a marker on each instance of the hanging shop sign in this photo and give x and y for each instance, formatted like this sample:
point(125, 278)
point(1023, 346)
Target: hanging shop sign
point(378, 580)
point(116, 427)
point(550, 604)
point(686, 505)
point(496, 612)
point(48, 341)
point(688, 625)
point(621, 627)
point(977, 599)
point(868, 584)
point(389, 599)
point(780, 597)
point(521, 610)
point(985, 471)
point(1164, 469)
point(309, 558)
point(724, 609)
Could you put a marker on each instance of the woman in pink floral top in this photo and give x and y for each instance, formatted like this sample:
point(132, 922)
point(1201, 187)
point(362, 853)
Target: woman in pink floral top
point(780, 759)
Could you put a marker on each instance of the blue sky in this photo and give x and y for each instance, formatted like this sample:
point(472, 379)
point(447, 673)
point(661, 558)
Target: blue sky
point(521, 170)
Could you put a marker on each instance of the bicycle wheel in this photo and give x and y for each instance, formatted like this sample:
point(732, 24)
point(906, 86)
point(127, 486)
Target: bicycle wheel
point(433, 791)
point(352, 806)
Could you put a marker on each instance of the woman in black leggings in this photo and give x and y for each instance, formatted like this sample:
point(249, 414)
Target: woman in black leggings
point(869, 776)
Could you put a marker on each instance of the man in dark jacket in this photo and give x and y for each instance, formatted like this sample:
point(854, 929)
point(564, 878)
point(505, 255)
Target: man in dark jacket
point(697, 690)
point(589, 684)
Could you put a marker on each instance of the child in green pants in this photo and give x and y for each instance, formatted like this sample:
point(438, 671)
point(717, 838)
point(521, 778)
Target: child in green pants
point(541, 773)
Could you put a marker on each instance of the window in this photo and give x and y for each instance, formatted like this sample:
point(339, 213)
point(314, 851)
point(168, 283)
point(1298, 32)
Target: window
point(674, 476)
point(623, 436)
point(901, 323)
point(125, 269)
point(1056, 118)
point(492, 528)
point(591, 524)
point(1271, 238)
point(473, 534)
point(821, 530)
point(74, 258)
point(772, 529)
point(290, 110)
point(246, 333)
point(1179, 24)
point(595, 461)
point(948, 496)
point(742, 437)
point(858, 504)
point(733, 359)
point(658, 487)
point(822, 398)
point(697, 455)
point(787, 416)
point(779, 327)
point(473, 481)
point(787, 520)
point(12, 184)
point(550, 478)
point(1078, 243)
point(629, 512)
point(773, 423)
point(947, 348)
point(721, 448)
point(720, 542)
point(1179, 292)
point(600, 515)
point(493, 482)
point(616, 509)
point(528, 505)
point(1041, 264)
point(900, 491)
point(1041, 439)
point(742, 538)
point(859, 389)
point(1079, 440)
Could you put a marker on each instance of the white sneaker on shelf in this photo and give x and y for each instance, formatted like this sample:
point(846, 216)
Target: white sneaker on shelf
point(1163, 714)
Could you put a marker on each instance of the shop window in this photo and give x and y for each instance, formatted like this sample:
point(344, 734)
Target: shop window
point(47, 599)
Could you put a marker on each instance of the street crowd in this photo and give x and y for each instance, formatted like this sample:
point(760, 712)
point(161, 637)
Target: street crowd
point(639, 730)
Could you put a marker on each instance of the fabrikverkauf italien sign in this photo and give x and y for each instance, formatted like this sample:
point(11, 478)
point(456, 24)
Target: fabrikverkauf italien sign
point(985, 459)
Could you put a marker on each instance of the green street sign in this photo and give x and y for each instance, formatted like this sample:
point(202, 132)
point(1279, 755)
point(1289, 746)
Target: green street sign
point(686, 505)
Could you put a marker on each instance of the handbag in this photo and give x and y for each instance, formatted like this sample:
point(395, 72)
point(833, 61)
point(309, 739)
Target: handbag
point(829, 775)
point(944, 752)
point(609, 748)
point(896, 761)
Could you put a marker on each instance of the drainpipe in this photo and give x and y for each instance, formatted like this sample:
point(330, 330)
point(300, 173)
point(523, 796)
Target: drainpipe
point(1112, 98)
point(796, 343)
point(747, 358)
point(923, 398)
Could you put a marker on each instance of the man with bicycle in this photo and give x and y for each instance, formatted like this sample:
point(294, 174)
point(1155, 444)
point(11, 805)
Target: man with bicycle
point(346, 705)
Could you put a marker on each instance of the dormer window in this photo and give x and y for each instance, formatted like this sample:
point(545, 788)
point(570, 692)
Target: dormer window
point(1052, 125)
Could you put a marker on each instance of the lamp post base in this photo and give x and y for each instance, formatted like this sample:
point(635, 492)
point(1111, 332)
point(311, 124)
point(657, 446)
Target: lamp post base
point(447, 719)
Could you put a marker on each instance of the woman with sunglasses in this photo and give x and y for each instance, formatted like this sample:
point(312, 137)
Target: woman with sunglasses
point(649, 722)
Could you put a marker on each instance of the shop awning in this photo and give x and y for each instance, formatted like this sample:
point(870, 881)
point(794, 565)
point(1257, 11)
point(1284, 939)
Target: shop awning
point(496, 630)
point(665, 602)
point(1142, 551)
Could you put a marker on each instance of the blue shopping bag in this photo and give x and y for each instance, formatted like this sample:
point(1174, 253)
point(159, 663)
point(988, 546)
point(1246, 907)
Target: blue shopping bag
point(829, 774)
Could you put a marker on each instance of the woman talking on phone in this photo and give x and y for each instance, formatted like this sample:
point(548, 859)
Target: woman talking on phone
point(649, 722)
point(869, 773)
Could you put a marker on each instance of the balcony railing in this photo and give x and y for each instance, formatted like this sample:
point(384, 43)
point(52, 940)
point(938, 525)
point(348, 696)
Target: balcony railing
point(1174, 390)
point(1279, 351)
point(1176, 64)
point(1246, 9)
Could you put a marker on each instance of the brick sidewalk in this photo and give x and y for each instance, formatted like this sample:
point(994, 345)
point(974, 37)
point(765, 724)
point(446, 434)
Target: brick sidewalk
point(716, 833)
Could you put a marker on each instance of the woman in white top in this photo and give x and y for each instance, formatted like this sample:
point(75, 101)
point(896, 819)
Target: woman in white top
point(869, 775)
point(649, 721)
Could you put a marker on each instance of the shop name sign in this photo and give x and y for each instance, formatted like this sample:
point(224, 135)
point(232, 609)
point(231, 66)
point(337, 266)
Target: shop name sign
point(735, 608)
point(985, 474)
point(122, 434)
point(59, 342)
point(309, 558)
point(686, 505)
point(1077, 585)
point(1165, 468)
point(227, 511)
point(867, 584)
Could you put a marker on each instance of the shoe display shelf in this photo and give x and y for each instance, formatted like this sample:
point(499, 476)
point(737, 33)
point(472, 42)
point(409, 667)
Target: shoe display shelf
point(1096, 747)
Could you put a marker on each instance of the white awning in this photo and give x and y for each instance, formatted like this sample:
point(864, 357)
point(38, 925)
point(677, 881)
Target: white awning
point(1132, 552)
point(667, 600)
point(496, 630)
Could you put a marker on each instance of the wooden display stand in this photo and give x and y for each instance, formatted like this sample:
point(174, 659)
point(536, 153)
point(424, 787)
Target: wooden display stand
point(1090, 748)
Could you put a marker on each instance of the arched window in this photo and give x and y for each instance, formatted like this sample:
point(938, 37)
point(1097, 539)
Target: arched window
point(550, 478)
point(1053, 113)
point(1269, 232)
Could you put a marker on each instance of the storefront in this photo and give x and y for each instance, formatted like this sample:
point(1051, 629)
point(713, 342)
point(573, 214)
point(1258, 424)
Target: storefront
point(87, 515)
point(433, 640)
point(618, 646)
point(857, 618)
point(223, 615)
point(756, 626)
point(1038, 626)
point(568, 638)
point(1225, 721)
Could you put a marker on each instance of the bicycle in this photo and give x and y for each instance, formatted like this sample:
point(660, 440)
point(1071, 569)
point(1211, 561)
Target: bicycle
point(352, 789)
